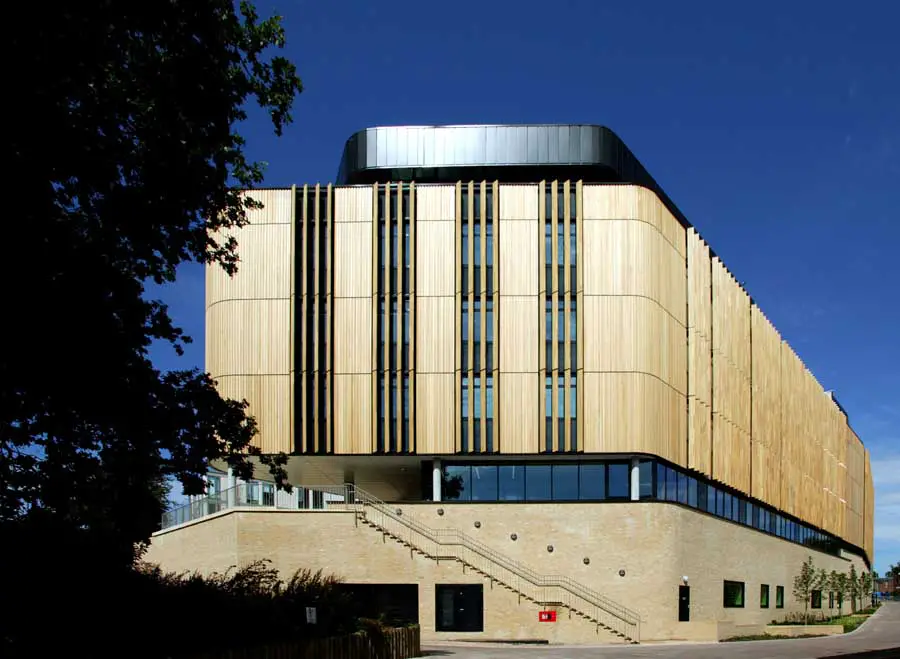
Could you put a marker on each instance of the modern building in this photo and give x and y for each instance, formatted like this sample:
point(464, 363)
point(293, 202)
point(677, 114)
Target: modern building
point(522, 397)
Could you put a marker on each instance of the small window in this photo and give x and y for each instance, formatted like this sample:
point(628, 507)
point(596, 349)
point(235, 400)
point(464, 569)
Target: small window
point(779, 597)
point(592, 482)
point(645, 470)
point(459, 608)
point(537, 483)
point(618, 481)
point(816, 599)
point(733, 595)
point(764, 596)
point(830, 600)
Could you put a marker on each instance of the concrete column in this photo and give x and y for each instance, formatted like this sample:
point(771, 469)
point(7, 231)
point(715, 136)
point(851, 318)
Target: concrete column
point(436, 481)
point(635, 478)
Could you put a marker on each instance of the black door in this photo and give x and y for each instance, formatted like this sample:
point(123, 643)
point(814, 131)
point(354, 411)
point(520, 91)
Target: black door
point(459, 608)
point(684, 603)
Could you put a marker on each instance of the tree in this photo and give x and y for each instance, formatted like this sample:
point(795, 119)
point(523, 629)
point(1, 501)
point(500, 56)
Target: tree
point(837, 582)
point(853, 587)
point(866, 583)
point(125, 162)
point(804, 584)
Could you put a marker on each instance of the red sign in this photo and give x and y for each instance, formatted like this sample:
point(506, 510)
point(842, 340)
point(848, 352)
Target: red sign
point(546, 616)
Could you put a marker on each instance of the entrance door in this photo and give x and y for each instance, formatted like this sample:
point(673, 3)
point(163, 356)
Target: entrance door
point(684, 603)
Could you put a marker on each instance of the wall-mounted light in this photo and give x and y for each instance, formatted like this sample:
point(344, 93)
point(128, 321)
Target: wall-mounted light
point(684, 580)
point(513, 537)
point(399, 511)
point(550, 548)
point(477, 524)
point(621, 573)
point(440, 511)
point(586, 560)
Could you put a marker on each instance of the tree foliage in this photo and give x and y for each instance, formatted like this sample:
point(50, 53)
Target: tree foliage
point(125, 162)
point(854, 586)
point(805, 583)
point(837, 582)
point(107, 610)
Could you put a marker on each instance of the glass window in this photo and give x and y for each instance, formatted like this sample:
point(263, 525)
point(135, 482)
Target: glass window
point(682, 488)
point(671, 485)
point(548, 244)
point(618, 480)
point(692, 492)
point(592, 482)
point(701, 495)
point(512, 483)
point(660, 481)
point(476, 230)
point(816, 599)
point(537, 483)
point(711, 495)
point(645, 471)
point(733, 595)
point(213, 485)
point(779, 597)
point(727, 506)
point(484, 483)
point(764, 596)
point(457, 483)
point(565, 482)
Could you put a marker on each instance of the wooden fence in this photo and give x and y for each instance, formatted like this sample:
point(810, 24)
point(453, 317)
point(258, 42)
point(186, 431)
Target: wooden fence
point(398, 643)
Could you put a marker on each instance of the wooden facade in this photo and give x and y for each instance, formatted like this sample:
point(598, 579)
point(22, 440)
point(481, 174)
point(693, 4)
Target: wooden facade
point(544, 318)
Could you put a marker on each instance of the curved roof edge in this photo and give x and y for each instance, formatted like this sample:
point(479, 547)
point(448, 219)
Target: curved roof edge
point(591, 152)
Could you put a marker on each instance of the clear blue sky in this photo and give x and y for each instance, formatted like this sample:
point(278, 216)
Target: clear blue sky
point(774, 126)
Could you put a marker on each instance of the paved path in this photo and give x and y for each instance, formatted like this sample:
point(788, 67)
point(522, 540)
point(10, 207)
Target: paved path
point(880, 633)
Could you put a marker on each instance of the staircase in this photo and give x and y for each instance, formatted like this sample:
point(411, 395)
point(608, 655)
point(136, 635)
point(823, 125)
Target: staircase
point(453, 545)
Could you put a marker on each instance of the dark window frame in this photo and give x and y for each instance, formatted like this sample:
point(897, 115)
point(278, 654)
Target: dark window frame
point(732, 602)
point(815, 597)
point(779, 597)
point(764, 596)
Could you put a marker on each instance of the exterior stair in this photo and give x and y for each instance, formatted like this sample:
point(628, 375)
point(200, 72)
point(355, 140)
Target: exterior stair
point(452, 545)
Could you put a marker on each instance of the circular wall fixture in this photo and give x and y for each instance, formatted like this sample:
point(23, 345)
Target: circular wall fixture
point(586, 560)
point(399, 511)
point(513, 537)
point(440, 511)
point(550, 548)
point(621, 573)
point(477, 524)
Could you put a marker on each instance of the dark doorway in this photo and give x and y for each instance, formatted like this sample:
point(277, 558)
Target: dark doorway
point(396, 604)
point(684, 603)
point(459, 608)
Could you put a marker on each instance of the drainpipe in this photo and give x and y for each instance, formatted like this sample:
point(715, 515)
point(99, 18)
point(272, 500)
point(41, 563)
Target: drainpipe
point(436, 481)
point(635, 478)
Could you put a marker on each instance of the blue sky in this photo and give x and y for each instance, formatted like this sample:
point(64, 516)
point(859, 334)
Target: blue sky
point(774, 126)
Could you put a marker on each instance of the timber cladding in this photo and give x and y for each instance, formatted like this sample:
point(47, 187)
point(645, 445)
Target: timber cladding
point(554, 317)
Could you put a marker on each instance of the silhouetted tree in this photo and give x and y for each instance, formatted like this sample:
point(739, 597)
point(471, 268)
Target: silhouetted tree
point(123, 161)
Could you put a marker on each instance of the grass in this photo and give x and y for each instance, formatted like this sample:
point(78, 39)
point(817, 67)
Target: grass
point(768, 637)
point(849, 623)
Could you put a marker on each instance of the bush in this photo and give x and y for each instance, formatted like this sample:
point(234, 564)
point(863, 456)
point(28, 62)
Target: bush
point(71, 599)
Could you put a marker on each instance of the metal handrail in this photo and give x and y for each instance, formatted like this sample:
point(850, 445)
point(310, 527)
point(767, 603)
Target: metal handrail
point(490, 562)
point(455, 537)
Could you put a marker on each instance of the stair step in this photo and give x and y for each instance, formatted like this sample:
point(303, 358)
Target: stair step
point(412, 546)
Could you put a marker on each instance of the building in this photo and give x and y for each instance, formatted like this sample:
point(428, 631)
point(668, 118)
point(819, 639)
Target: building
point(523, 399)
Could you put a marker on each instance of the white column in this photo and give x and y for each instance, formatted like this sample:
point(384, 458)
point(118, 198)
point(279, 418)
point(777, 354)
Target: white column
point(436, 481)
point(635, 478)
